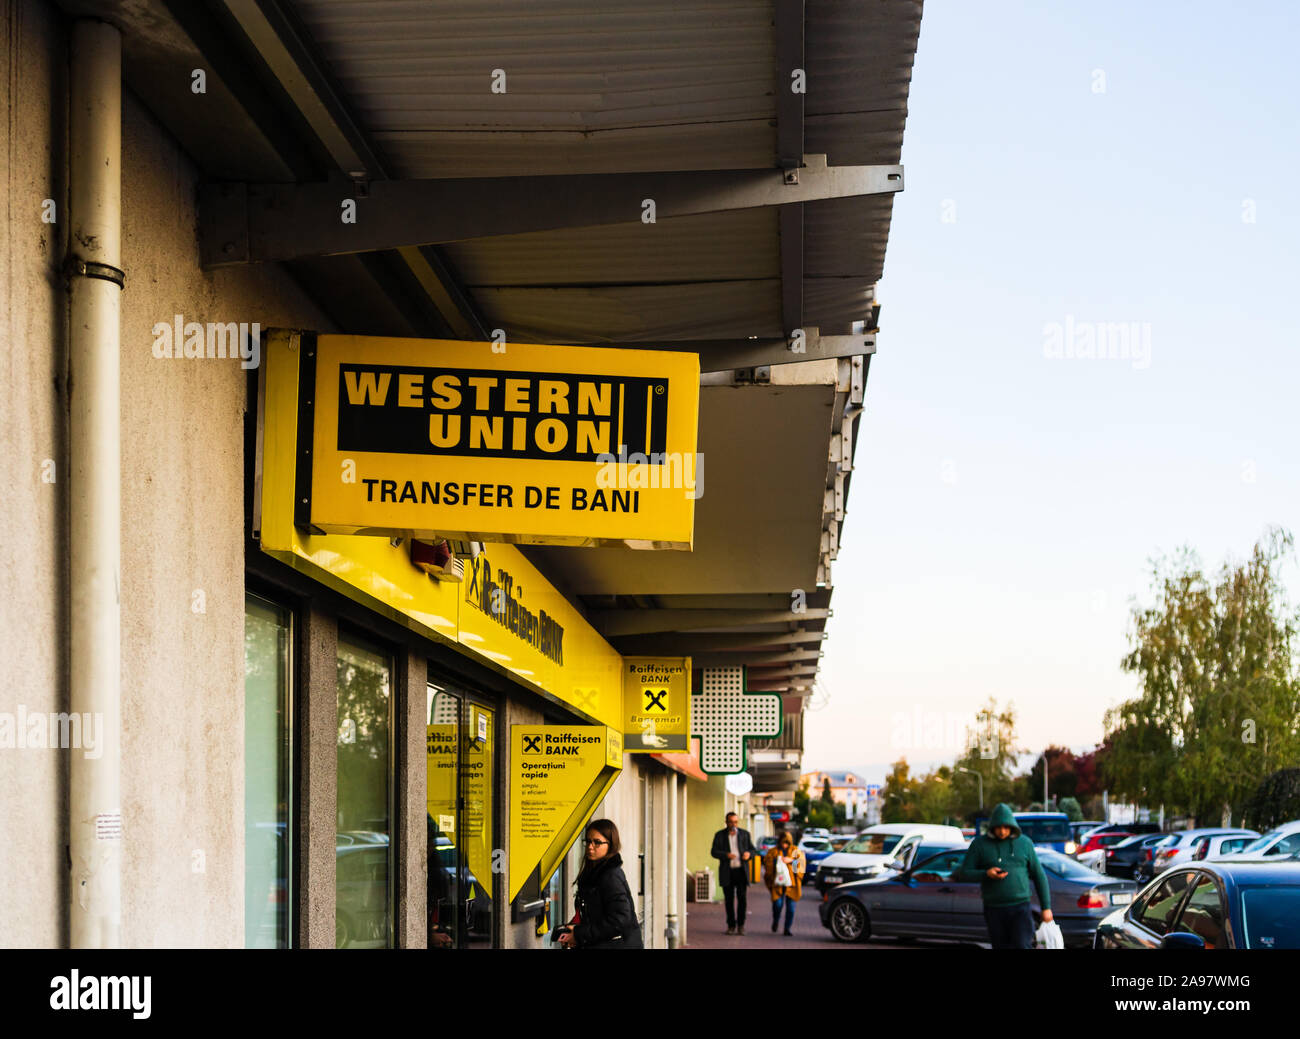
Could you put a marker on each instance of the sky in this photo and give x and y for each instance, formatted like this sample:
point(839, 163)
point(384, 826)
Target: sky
point(1072, 170)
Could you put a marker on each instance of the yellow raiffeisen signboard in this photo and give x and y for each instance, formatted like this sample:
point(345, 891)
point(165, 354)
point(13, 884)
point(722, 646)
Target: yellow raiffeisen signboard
point(558, 774)
point(656, 704)
point(487, 441)
point(537, 636)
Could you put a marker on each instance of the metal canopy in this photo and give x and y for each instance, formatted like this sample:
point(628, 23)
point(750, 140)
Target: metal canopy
point(389, 102)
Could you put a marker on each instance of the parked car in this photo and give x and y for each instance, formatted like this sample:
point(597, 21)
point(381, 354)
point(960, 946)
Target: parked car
point(1179, 850)
point(817, 831)
point(1128, 828)
point(1276, 844)
point(1122, 857)
point(1079, 829)
point(1144, 869)
point(925, 901)
point(1047, 830)
point(868, 854)
point(1102, 841)
point(838, 840)
point(815, 849)
point(1211, 905)
point(1216, 845)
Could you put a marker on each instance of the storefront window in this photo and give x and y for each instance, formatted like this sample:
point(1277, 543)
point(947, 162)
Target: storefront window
point(446, 875)
point(363, 905)
point(268, 745)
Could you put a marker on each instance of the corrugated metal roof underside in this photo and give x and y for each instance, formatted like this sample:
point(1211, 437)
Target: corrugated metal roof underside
point(628, 86)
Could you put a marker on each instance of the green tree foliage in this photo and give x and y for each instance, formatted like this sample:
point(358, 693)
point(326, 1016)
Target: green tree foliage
point(1219, 706)
point(992, 753)
point(1276, 800)
point(1073, 810)
point(826, 791)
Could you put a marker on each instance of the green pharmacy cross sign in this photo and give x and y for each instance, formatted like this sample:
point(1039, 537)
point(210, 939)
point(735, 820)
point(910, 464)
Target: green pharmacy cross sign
point(724, 715)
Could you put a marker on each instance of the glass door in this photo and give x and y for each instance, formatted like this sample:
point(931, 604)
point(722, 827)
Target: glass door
point(478, 821)
point(446, 872)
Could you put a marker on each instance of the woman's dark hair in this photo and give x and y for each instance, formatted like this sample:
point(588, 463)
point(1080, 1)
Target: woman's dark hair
point(783, 837)
point(607, 829)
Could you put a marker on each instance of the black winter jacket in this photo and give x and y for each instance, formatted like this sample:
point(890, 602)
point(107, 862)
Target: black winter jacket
point(607, 912)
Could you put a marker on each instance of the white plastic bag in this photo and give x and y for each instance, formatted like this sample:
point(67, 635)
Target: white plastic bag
point(783, 878)
point(1048, 936)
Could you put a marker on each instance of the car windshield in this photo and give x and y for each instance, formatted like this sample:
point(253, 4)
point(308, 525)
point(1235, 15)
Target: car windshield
point(1044, 831)
point(873, 843)
point(815, 844)
point(1128, 842)
point(1270, 917)
point(1065, 867)
point(1259, 843)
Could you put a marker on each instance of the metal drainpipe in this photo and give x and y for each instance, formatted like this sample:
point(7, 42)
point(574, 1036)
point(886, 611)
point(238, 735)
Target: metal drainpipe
point(94, 261)
point(674, 863)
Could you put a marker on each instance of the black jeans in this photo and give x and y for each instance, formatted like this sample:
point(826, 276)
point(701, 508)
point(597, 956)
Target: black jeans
point(735, 893)
point(1010, 927)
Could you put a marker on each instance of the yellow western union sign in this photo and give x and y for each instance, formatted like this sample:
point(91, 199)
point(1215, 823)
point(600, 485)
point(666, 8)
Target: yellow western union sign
point(657, 704)
point(558, 775)
point(497, 442)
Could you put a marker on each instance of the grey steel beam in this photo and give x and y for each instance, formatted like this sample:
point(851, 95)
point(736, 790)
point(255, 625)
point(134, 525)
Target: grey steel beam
point(290, 57)
point(612, 623)
point(723, 355)
point(790, 229)
point(757, 660)
point(791, 82)
point(740, 642)
point(241, 223)
point(789, 26)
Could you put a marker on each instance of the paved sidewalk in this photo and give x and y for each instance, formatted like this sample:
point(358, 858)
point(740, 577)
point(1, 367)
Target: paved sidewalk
point(707, 926)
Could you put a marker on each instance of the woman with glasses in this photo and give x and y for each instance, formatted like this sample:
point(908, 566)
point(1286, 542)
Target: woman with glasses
point(606, 913)
point(783, 868)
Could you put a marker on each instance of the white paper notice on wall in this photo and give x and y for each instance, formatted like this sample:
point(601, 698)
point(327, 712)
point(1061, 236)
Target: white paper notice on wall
point(108, 826)
point(447, 823)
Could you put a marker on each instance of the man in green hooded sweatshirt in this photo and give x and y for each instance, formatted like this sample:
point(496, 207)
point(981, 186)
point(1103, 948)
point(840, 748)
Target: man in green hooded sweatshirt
point(1008, 871)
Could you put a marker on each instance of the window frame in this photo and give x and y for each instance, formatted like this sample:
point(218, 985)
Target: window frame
point(276, 599)
point(360, 637)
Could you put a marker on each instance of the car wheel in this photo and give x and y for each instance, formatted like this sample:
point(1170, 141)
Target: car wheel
point(849, 921)
point(342, 931)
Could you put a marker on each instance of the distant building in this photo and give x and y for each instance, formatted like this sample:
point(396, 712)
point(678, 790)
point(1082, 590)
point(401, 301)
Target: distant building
point(847, 788)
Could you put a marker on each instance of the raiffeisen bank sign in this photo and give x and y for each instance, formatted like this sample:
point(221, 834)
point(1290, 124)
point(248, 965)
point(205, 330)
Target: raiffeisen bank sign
point(497, 442)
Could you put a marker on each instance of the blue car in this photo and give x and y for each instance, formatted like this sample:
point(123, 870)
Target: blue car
point(1211, 905)
point(1048, 830)
point(815, 849)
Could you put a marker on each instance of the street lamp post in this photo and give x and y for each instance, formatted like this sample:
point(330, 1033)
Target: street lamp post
point(979, 778)
point(1045, 805)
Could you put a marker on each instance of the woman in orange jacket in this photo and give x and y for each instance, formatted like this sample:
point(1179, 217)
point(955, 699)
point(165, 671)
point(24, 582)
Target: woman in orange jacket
point(784, 862)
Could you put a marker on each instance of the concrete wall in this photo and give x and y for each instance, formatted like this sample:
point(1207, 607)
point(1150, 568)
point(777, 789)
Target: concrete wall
point(33, 428)
point(182, 584)
point(182, 544)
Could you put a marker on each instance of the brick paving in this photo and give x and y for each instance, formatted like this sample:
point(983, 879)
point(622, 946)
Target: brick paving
point(707, 929)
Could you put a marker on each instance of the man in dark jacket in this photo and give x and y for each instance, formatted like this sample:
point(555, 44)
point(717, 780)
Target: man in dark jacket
point(733, 849)
point(1007, 868)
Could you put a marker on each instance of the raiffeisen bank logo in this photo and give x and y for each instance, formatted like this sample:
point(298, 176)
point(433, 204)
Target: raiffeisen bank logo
point(499, 597)
point(487, 413)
